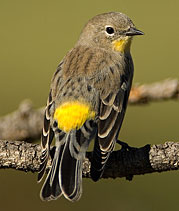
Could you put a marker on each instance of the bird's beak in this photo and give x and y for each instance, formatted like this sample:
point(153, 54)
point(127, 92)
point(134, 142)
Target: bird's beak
point(134, 32)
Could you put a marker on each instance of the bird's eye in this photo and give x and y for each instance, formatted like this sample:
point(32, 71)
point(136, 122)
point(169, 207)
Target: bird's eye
point(110, 30)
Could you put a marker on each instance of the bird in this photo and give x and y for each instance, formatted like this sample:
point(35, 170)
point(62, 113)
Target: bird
point(87, 101)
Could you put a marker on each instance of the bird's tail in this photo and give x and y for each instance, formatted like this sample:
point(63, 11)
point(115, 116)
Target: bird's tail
point(65, 176)
point(51, 187)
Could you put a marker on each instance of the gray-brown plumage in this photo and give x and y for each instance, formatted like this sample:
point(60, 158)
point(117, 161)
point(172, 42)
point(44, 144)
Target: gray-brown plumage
point(96, 75)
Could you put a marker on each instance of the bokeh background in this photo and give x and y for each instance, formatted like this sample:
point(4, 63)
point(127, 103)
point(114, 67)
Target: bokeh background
point(34, 37)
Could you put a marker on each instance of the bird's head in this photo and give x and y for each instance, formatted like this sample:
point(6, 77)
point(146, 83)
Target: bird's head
point(112, 31)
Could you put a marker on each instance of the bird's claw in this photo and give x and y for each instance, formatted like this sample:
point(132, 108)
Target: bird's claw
point(125, 146)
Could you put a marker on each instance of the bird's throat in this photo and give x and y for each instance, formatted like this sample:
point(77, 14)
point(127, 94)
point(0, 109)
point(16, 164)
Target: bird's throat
point(122, 45)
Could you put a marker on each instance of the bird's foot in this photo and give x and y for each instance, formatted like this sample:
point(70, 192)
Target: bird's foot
point(125, 146)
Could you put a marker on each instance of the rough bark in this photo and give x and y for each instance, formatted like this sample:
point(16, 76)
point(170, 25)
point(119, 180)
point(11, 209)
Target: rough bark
point(122, 163)
point(26, 122)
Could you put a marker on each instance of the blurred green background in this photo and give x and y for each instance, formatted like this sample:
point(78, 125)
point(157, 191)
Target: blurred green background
point(34, 37)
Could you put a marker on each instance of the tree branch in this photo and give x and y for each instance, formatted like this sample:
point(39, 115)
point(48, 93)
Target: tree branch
point(24, 123)
point(122, 163)
point(159, 91)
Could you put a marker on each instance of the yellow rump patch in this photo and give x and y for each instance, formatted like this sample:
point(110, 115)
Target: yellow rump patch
point(122, 45)
point(72, 115)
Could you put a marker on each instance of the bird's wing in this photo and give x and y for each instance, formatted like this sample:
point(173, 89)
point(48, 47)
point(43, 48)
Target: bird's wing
point(111, 113)
point(47, 132)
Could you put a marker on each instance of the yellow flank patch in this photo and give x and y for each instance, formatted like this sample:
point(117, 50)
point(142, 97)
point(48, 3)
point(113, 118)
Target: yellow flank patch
point(122, 45)
point(72, 115)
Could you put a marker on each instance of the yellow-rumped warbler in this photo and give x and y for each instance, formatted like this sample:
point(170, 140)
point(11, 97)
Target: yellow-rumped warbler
point(87, 100)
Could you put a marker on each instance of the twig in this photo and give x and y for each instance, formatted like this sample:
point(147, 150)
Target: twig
point(165, 90)
point(122, 163)
point(26, 122)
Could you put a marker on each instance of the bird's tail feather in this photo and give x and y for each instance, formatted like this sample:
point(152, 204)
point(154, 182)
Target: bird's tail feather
point(70, 172)
point(65, 176)
point(51, 188)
